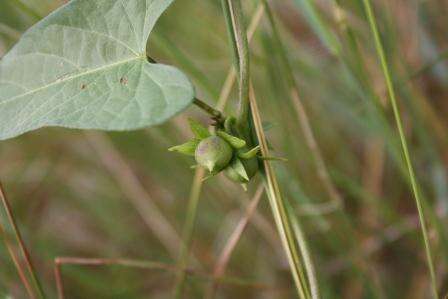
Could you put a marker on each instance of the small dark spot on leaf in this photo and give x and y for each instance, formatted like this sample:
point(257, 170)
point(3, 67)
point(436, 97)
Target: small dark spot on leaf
point(124, 80)
point(83, 86)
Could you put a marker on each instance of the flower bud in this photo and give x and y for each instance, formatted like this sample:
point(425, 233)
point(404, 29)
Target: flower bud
point(213, 153)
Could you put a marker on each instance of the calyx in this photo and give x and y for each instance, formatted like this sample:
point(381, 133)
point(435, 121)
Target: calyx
point(221, 151)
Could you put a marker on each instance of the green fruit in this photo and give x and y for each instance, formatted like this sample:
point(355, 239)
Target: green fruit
point(213, 153)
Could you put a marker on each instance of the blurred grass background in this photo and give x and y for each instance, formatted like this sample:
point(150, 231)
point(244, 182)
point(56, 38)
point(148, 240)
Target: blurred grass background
point(94, 195)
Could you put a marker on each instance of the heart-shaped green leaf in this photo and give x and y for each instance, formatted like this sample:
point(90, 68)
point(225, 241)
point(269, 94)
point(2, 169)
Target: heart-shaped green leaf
point(85, 67)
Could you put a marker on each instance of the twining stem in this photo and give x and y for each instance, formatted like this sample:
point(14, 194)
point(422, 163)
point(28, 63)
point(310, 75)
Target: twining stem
point(230, 32)
point(242, 49)
point(231, 75)
point(278, 207)
point(404, 145)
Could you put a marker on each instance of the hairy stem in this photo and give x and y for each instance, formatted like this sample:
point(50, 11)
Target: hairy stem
point(216, 114)
point(229, 23)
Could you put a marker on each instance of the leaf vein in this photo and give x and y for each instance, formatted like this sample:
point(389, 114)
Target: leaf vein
point(67, 79)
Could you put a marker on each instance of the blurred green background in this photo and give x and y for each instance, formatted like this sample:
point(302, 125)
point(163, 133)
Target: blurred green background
point(123, 195)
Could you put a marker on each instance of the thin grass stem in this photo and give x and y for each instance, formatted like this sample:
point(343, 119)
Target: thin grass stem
point(59, 262)
point(279, 211)
point(16, 262)
point(309, 265)
point(415, 187)
point(305, 125)
point(247, 103)
point(37, 286)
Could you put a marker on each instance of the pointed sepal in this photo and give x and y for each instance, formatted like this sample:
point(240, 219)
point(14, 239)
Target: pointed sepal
point(235, 142)
point(199, 131)
point(250, 154)
point(188, 148)
point(238, 166)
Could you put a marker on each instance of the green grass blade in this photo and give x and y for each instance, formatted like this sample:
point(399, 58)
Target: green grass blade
point(308, 263)
point(410, 168)
point(302, 114)
point(279, 211)
point(311, 13)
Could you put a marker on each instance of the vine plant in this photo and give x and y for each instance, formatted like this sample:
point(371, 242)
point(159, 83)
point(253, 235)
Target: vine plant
point(85, 66)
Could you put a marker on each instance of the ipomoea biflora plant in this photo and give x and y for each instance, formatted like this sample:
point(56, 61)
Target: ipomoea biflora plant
point(221, 151)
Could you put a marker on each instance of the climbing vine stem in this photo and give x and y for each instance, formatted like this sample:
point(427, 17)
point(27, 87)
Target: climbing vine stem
point(241, 48)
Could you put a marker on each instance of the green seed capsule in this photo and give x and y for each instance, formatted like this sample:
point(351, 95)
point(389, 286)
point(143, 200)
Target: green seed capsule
point(213, 153)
